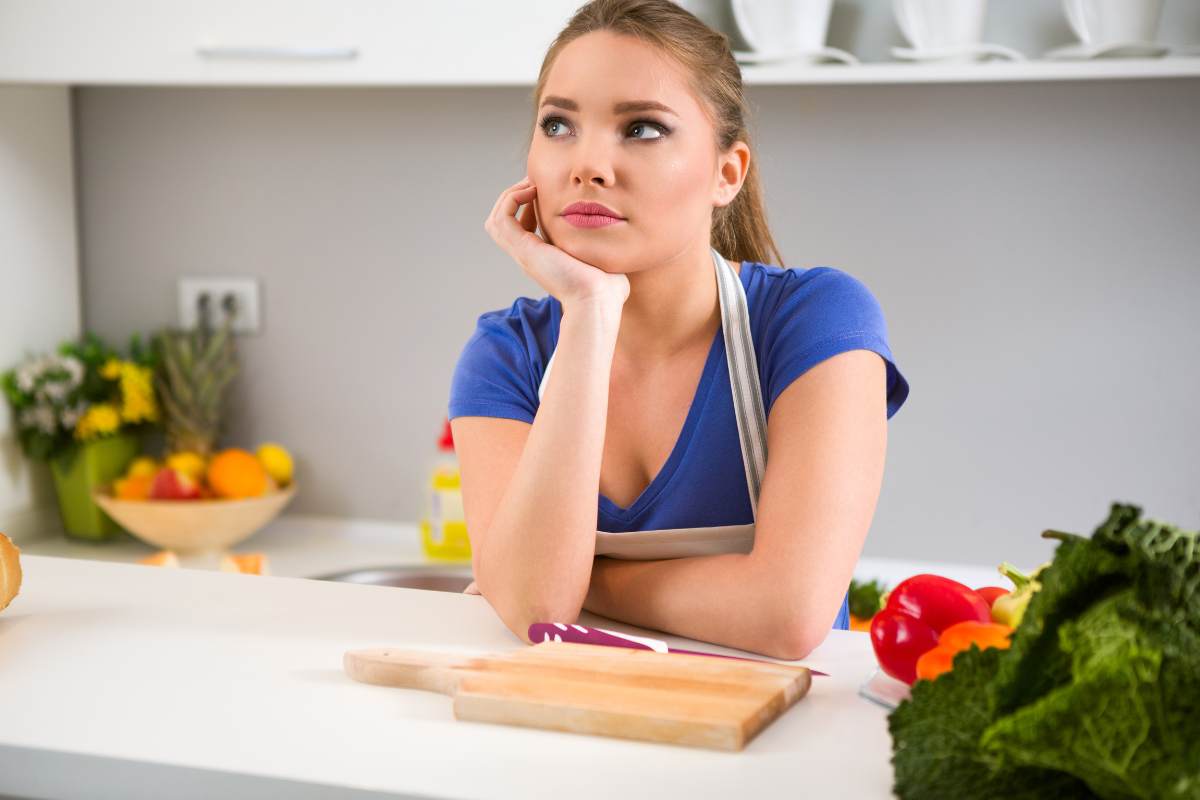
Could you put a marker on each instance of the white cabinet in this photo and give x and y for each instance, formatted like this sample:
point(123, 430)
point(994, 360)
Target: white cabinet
point(387, 43)
point(277, 42)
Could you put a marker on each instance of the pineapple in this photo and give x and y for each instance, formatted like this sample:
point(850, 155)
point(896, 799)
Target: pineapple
point(194, 369)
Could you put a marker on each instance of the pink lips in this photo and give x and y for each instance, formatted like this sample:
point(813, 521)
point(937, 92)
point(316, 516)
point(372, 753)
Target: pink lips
point(591, 215)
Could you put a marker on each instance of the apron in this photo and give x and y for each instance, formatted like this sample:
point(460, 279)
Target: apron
point(752, 435)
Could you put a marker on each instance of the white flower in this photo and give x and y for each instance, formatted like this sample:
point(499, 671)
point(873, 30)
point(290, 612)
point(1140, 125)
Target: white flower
point(74, 368)
point(43, 417)
point(25, 376)
point(54, 391)
point(69, 416)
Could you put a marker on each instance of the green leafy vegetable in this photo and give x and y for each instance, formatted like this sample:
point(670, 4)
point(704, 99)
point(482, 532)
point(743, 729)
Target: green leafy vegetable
point(1099, 694)
point(866, 598)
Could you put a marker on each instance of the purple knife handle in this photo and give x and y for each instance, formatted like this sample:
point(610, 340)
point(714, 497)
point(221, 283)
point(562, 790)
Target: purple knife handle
point(561, 632)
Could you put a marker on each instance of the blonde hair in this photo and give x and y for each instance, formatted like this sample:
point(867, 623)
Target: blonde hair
point(739, 229)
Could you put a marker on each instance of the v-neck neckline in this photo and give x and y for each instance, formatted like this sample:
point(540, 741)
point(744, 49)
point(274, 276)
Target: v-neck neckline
point(699, 400)
point(703, 388)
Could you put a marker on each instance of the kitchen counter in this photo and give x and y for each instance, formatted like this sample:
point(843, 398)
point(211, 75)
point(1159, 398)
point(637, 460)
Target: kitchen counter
point(303, 546)
point(126, 681)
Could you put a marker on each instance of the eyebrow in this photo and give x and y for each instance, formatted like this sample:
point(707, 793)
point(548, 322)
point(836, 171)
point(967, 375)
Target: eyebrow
point(618, 108)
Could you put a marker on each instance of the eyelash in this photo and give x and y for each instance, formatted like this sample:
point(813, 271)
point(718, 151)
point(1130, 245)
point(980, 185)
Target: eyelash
point(546, 120)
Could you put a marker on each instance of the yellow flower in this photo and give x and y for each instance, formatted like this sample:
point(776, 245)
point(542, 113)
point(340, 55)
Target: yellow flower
point(137, 393)
point(111, 369)
point(98, 420)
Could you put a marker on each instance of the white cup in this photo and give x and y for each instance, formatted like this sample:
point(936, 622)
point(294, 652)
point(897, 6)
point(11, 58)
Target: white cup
point(783, 26)
point(1101, 22)
point(941, 24)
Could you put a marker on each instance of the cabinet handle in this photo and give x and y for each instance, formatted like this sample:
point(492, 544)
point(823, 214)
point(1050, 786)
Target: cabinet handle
point(296, 53)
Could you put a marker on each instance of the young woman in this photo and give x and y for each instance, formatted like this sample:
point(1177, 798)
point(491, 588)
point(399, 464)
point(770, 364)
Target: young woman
point(680, 357)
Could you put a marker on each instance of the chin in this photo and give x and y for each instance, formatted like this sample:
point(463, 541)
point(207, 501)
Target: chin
point(603, 258)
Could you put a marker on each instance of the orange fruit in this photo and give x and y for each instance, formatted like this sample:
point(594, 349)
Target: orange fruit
point(163, 558)
point(10, 571)
point(235, 473)
point(246, 563)
point(135, 487)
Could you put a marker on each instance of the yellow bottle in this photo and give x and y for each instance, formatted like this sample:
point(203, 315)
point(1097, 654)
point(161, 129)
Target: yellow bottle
point(444, 526)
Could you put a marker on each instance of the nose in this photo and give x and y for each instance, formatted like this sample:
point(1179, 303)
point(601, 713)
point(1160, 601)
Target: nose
point(593, 164)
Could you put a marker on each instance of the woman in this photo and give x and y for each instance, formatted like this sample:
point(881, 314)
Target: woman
point(669, 385)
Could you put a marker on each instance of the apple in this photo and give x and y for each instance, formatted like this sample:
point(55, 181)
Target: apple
point(171, 484)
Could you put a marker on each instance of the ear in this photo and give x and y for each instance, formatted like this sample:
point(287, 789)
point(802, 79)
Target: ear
point(732, 166)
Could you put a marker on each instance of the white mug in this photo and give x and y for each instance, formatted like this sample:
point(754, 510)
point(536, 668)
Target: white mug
point(941, 24)
point(783, 26)
point(1100, 22)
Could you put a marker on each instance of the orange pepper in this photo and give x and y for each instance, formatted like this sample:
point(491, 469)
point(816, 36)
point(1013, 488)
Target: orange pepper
point(860, 624)
point(934, 662)
point(985, 634)
point(960, 637)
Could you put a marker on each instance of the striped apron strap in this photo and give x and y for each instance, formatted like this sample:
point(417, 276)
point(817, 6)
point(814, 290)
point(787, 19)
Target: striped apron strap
point(743, 376)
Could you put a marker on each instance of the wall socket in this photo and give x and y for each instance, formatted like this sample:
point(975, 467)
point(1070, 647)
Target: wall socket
point(244, 292)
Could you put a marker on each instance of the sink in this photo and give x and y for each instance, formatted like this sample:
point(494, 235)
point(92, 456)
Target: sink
point(434, 577)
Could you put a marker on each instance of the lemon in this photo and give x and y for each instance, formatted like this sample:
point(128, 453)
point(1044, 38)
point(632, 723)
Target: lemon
point(277, 461)
point(142, 466)
point(189, 463)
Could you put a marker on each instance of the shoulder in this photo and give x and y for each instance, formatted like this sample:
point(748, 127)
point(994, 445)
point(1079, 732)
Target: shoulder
point(524, 316)
point(499, 367)
point(800, 317)
point(826, 297)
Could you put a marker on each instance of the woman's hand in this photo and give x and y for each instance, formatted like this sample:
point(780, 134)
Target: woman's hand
point(563, 276)
point(472, 589)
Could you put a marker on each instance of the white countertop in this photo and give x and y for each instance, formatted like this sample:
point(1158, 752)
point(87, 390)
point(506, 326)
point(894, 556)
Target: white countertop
point(302, 546)
point(121, 680)
point(240, 677)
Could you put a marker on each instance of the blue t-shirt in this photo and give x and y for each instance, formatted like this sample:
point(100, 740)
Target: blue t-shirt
point(798, 318)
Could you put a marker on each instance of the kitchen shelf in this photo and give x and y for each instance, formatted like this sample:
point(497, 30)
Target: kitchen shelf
point(310, 75)
point(993, 71)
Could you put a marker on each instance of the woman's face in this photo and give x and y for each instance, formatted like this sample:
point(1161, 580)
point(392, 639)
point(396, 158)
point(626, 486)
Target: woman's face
point(656, 167)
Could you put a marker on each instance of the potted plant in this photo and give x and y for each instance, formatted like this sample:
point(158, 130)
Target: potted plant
point(83, 410)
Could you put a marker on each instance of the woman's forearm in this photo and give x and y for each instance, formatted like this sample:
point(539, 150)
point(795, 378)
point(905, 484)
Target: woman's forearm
point(536, 559)
point(722, 599)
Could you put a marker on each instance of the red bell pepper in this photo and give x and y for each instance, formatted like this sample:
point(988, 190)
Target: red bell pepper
point(990, 593)
point(916, 613)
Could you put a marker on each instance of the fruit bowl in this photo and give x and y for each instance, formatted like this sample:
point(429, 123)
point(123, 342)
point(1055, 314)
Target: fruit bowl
point(194, 525)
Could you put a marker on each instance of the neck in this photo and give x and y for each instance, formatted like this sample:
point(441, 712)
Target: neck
point(672, 307)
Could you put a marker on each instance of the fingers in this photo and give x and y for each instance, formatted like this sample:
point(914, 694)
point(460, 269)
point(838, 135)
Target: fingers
point(500, 223)
point(528, 215)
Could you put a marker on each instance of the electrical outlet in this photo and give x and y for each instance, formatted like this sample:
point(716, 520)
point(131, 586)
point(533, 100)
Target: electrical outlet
point(243, 291)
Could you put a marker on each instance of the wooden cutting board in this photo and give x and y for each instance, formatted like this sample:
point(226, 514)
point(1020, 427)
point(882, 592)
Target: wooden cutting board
point(693, 700)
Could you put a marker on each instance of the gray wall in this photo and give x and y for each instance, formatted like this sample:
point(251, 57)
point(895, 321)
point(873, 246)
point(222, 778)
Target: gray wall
point(1034, 247)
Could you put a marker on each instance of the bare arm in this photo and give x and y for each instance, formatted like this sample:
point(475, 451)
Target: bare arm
point(827, 440)
point(529, 493)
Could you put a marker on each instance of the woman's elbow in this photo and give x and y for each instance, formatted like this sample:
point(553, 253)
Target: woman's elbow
point(519, 609)
point(796, 635)
point(795, 645)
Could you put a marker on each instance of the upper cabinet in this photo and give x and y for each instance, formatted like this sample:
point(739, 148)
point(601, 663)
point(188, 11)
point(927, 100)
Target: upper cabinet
point(400, 43)
point(277, 42)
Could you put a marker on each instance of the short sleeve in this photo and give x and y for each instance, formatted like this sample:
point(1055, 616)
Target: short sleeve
point(494, 375)
point(822, 312)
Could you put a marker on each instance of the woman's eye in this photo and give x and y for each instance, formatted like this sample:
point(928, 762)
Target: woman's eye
point(659, 130)
point(548, 122)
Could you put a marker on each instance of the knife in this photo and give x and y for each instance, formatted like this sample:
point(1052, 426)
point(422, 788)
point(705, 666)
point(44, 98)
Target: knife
point(561, 632)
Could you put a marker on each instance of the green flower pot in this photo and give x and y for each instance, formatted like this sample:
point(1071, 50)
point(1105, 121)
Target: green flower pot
point(92, 465)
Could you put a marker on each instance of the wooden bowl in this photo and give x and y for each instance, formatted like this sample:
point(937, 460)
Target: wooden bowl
point(194, 525)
